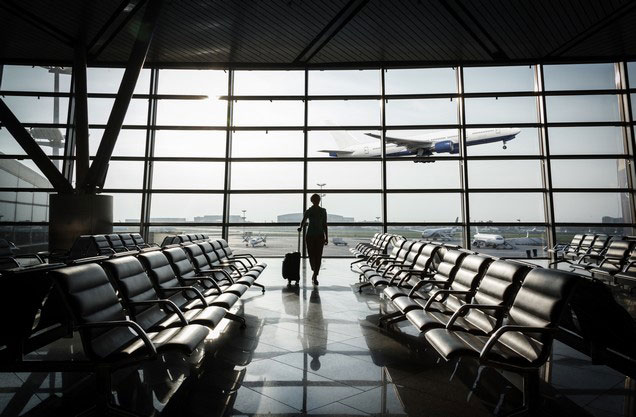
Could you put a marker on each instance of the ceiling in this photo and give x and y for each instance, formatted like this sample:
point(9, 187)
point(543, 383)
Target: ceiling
point(329, 33)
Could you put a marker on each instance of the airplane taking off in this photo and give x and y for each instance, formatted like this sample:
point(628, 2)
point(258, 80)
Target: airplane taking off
point(443, 141)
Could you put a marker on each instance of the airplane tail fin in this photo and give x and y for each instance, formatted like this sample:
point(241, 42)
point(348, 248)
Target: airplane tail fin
point(344, 139)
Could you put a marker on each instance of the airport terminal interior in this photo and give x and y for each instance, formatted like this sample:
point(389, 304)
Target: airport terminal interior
point(475, 160)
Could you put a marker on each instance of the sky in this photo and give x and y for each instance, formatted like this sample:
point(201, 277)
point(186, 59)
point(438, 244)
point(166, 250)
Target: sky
point(365, 175)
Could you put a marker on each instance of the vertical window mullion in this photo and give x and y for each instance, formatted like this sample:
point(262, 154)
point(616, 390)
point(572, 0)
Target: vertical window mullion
point(305, 152)
point(383, 133)
point(461, 110)
point(228, 155)
point(545, 151)
point(146, 194)
point(625, 107)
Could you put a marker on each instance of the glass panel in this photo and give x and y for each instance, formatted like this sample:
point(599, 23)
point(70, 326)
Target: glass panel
point(38, 109)
point(99, 111)
point(263, 240)
point(279, 83)
point(265, 208)
point(180, 208)
point(586, 140)
point(344, 82)
point(407, 174)
point(107, 80)
point(131, 142)
point(188, 175)
point(341, 175)
point(599, 173)
point(267, 144)
point(125, 174)
point(496, 79)
point(27, 78)
point(592, 208)
point(421, 112)
point(344, 113)
point(212, 83)
point(127, 229)
point(582, 108)
point(632, 98)
point(267, 175)
point(451, 234)
point(434, 142)
point(323, 143)
point(190, 143)
point(158, 233)
point(501, 110)
point(506, 207)
point(564, 234)
point(24, 207)
point(423, 208)
point(505, 174)
point(509, 242)
point(420, 81)
point(579, 77)
point(269, 113)
point(30, 239)
point(50, 139)
point(352, 207)
point(126, 207)
point(503, 141)
point(341, 238)
point(22, 174)
point(208, 112)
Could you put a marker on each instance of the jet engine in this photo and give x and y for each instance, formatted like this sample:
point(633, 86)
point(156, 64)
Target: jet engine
point(446, 146)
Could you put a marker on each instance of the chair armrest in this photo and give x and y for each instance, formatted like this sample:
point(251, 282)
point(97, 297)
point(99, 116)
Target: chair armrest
point(443, 292)
point(483, 355)
point(197, 293)
point(233, 267)
point(247, 256)
point(423, 282)
point(168, 303)
point(461, 311)
point(206, 278)
point(232, 261)
point(224, 272)
point(136, 328)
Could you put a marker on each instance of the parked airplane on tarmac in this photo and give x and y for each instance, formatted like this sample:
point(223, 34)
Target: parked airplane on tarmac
point(443, 141)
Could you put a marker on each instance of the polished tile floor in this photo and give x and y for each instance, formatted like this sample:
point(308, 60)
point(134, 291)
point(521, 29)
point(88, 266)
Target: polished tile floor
point(317, 351)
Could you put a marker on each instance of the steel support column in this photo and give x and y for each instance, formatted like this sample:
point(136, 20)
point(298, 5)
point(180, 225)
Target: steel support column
point(80, 110)
point(26, 141)
point(228, 156)
point(97, 172)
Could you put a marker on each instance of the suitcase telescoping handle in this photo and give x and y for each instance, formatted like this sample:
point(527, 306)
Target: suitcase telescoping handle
point(299, 232)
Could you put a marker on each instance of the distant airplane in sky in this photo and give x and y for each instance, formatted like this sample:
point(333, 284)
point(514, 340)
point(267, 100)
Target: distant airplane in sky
point(443, 141)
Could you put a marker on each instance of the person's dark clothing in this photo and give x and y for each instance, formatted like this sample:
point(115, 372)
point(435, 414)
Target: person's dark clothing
point(315, 237)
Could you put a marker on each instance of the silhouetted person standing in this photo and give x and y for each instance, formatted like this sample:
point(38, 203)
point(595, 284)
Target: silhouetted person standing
point(317, 236)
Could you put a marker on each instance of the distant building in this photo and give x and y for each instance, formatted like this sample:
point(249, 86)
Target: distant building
point(297, 217)
point(161, 220)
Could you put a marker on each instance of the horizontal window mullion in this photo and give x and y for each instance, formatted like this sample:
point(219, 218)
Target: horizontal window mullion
point(504, 190)
point(9, 93)
point(26, 190)
point(26, 223)
point(591, 190)
point(423, 190)
point(185, 191)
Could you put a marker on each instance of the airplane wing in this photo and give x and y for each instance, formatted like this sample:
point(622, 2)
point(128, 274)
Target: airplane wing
point(412, 144)
point(336, 152)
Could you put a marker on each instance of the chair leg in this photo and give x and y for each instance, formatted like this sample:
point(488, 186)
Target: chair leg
point(234, 317)
point(531, 395)
point(104, 406)
point(366, 284)
point(388, 317)
point(256, 284)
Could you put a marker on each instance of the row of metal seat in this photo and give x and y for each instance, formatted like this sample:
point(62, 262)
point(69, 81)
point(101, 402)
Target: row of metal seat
point(503, 313)
point(378, 244)
point(87, 246)
point(131, 308)
point(181, 239)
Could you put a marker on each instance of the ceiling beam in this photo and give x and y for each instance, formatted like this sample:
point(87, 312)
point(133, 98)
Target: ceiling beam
point(93, 56)
point(97, 172)
point(592, 30)
point(107, 25)
point(328, 32)
point(37, 22)
point(33, 150)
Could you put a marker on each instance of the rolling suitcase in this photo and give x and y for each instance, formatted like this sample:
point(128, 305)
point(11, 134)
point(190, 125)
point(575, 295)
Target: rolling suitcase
point(291, 265)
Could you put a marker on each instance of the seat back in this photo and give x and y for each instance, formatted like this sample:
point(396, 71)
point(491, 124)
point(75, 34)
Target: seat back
point(6, 249)
point(128, 241)
point(404, 250)
point(101, 245)
point(183, 238)
point(541, 302)
point(218, 248)
point(616, 256)
point(414, 252)
point(135, 285)
point(209, 253)
point(181, 264)
point(226, 248)
point(81, 247)
point(159, 269)
point(424, 261)
point(586, 244)
point(449, 266)
point(116, 243)
point(575, 243)
point(139, 240)
point(497, 287)
point(198, 258)
point(91, 298)
point(600, 243)
point(467, 277)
